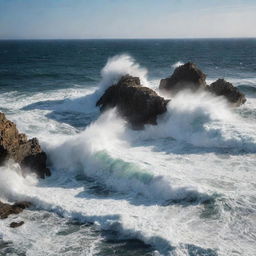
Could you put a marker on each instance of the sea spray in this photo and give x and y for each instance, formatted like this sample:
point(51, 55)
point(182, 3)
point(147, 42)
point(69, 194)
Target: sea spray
point(116, 67)
point(90, 153)
point(121, 65)
point(13, 185)
point(177, 64)
point(202, 120)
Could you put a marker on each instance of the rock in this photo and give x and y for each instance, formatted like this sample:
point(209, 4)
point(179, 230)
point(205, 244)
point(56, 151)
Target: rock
point(16, 146)
point(16, 224)
point(223, 88)
point(7, 209)
point(186, 76)
point(22, 204)
point(138, 104)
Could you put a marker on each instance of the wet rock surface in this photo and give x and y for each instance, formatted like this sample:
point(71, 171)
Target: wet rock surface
point(16, 146)
point(16, 224)
point(223, 88)
point(8, 209)
point(187, 76)
point(139, 105)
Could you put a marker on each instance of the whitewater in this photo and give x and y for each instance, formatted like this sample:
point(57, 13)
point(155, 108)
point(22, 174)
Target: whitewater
point(183, 187)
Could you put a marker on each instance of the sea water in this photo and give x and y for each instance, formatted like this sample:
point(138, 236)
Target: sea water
point(183, 187)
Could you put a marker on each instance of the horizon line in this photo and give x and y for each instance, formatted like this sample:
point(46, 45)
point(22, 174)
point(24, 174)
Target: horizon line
point(116, 38)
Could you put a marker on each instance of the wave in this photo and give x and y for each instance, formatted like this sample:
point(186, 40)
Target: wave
point(250, 81)
point(118, 66)
point(111, 73)
point(61, 194)
point(90, 153)
point(204, 121)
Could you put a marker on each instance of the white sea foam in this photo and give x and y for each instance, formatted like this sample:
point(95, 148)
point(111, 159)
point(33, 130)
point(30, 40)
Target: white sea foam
point(202, 120)
point(90, 152)
point(119, 66)
point(148, 167)
point(177, 64)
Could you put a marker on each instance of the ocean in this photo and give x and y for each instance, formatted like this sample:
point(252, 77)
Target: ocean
point(184, 187)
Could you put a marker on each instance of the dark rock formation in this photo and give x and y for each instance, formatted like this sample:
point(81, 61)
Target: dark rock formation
point(139, 105)
point(7, 209)
point(230, 92)
point(16, 224)
point(16, 146)
point(187, 76)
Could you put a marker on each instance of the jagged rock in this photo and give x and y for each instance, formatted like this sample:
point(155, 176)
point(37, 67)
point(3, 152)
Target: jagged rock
point(138, 104)
point(16, 224)
point(7, 209)
point(186, 76)
point(223, 88)
point(16, 146)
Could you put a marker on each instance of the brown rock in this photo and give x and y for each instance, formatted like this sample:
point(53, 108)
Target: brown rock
point(139, 105)
point(223, 88)
point(187, 76)
point(7, 209)
point(16, 146)
point(16, 224)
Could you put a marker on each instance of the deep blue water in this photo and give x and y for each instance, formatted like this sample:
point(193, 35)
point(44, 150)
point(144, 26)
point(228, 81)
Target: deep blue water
point(52, 64)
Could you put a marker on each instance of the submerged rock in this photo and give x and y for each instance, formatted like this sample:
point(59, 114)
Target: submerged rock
point(223, 88)
point(8, 209)
point(186, 76)
point(16, 224)
point(16, 146)
point(138, 104)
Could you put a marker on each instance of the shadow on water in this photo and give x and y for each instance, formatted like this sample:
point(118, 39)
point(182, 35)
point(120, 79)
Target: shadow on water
point(169, 145)
point(115, 240)
point(7, 248)
point(249, 90)
point(75, 119)
point(78, 112)
point(194, 250)
point(92, 189)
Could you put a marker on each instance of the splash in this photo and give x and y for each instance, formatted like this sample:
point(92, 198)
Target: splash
point(12, 184)
point(90, 152)
point(177, 64)
point(204, 121)
point(119, 66)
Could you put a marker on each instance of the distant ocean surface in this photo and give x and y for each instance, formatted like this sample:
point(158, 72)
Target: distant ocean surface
point(184, 187)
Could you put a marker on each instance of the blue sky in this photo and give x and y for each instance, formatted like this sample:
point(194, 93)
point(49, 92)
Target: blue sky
point(57, 19)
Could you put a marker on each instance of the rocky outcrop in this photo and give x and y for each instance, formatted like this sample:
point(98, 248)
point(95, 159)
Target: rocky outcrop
point(16, 146)
point(186, 76)
point(8, 209)
point(230, 92)
point(138, 104)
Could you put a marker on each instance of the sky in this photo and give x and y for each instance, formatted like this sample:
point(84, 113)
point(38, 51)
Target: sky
point(86, 19)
